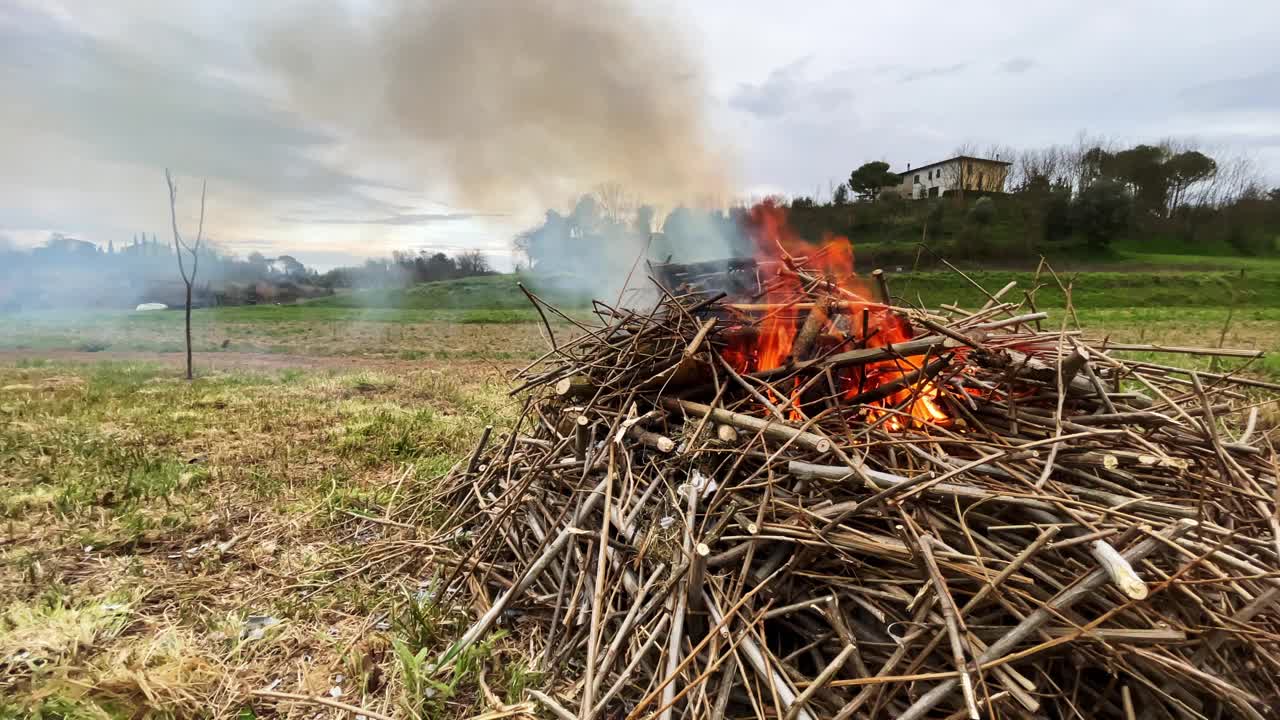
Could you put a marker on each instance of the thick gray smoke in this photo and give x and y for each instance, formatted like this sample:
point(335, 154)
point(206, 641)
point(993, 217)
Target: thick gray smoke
point(522, 105)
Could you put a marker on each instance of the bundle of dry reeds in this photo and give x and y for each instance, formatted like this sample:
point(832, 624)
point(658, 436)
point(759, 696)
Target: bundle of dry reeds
point(906, 513)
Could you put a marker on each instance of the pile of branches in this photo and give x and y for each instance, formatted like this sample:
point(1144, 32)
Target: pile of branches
point(1066, 534)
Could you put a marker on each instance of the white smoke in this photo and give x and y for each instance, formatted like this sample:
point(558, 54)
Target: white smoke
point(521, 105)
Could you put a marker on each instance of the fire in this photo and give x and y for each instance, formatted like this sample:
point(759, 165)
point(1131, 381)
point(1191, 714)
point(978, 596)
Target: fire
point(793, 328)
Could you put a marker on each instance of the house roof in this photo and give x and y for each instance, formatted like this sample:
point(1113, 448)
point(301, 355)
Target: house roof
point(949, 160)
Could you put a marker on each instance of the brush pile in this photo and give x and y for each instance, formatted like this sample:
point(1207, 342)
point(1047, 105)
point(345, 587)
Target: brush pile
point(781, 496)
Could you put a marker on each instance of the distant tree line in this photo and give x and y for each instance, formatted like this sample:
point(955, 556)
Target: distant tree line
point(69, 272)
point(1088, 194)
point(1073, 199)
point(407, 268)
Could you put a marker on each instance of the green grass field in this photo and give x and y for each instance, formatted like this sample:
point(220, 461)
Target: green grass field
point(489, 318)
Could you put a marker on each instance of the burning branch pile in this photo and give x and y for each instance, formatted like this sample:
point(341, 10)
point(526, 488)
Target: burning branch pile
point(775, 494)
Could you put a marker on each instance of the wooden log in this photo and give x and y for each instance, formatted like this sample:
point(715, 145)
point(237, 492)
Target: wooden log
point(910, 348)
point(882, 286)
point(813, 324)
point(1121, 572)
point(574, 386)
point(582, 437)
point(726, 434)
point(770, 428)
point(661, 443)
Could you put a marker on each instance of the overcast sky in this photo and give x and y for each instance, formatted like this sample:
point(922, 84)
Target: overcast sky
point(97, 98)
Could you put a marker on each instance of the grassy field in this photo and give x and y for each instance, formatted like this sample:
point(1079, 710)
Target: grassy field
point(1190, 307)
point(168, 547)
point(497, 298)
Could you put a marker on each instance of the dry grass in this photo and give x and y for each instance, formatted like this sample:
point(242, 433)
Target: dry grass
point(148, 525)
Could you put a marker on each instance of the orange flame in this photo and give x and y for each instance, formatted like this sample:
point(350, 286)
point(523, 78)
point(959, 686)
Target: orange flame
point(798, 272)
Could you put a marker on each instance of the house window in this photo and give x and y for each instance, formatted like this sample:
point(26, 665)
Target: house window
point(917, 178)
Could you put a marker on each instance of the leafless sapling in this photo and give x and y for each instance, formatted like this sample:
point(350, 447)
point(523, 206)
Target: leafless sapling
point(180, 246)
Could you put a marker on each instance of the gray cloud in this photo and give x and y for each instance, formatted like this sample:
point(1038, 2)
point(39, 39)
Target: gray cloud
point(134, 103)
point(775, 96)
point(1017, 65)
point(786, 90)
point(930, 73)
point(1259, 91)
point(397, 219)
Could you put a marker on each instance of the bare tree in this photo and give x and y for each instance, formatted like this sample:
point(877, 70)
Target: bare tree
point(1048, 165)
point(179, 245)
point(472, 262)
point(1235, 174)
point(1082, 158)
point(614, 202)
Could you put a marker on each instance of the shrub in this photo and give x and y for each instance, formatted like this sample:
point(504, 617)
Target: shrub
point(983, 211)
point(890, 196)
point(1101, 212)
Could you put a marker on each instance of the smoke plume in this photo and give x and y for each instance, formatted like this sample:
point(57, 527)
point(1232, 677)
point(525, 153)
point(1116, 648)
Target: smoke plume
point(523, 105)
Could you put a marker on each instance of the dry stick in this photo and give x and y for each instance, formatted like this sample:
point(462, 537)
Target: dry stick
point(535, 570)
point(551, 337)
point(696, 343)
point(923, 374)
point(1062, 602)
point(808, 333)
point(581, 437)
point(597, 597)
point(756, 658)
point(327, 702)
point(944, 330)
point(773, 430)
point(719, 625)
point(1216, 352)
point(624, 630)
point(853, 358)
point(953, 622)
point(625, 675)
point(556, 708)
point(1121, 572)
point(750, 390)
point(475, 454)
point(726, 686)
point(679, 600)
point(821, 681)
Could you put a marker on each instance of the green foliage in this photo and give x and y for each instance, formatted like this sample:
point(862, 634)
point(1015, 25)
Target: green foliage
point(867, 180)
point(982, 212)
point(937, 213)
point(424, 695)
point(890, 196)
point(1101, 212)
